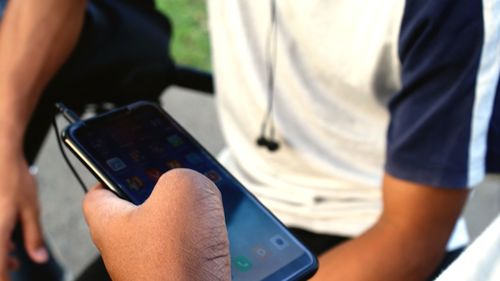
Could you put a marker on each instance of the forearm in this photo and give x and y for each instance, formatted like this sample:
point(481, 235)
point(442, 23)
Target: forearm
point(375, 256)
point(407, 242)
point(36, 37)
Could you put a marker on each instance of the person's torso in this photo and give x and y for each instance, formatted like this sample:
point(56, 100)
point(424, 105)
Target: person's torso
point(336, 67)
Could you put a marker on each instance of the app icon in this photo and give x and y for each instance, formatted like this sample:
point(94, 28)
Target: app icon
point(153, 174)
point(279, 242)
point(173, 164)
point(157, 148)
point(260, 252)
point(116, 164)
point(242, 263)
point(193, 158)
point(135, 183)
point(136, 155)
point(213, 176)
point(174, 140)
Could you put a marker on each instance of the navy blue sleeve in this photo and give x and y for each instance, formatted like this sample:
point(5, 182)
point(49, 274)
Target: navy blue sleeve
point(429, 136)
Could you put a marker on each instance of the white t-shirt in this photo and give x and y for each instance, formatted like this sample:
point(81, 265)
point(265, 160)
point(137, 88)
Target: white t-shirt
point(329, 105)
point(338, 64)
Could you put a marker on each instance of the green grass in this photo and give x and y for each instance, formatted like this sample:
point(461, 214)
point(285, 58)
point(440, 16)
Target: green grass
point(190, 44)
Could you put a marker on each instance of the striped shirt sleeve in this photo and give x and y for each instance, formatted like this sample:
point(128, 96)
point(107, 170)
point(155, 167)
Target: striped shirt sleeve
point(449, 52)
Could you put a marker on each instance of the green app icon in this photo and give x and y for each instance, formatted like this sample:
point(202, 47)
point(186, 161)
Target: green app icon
point(242, 263)
point(175, 140)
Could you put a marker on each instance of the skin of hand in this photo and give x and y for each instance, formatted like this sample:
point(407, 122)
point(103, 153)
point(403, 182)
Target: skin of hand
point(36, 37)
point(22, 205)
point(406, 243)
point(178, 233)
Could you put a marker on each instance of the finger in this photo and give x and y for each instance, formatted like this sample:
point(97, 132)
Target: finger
point(32, 233)
point(195, 198)
point(185, 185)
point(101, 208)
point(186, 193)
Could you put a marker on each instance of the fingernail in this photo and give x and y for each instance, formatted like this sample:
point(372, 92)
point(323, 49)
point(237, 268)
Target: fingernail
point(41, 255)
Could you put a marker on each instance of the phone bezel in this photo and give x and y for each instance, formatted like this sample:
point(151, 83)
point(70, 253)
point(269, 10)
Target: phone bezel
point(70, 140)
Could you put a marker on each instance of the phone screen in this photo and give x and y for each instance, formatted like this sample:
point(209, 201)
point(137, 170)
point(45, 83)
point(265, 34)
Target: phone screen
point(134, 147)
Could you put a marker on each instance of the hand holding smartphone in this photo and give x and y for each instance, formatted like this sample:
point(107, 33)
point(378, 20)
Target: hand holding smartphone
point(193, 244)
point(129, 148)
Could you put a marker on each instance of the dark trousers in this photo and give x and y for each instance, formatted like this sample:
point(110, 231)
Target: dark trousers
point(122, 56)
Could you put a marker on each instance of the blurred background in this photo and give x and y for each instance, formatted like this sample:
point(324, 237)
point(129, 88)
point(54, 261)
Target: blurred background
point(61, 196)
point(190, 44)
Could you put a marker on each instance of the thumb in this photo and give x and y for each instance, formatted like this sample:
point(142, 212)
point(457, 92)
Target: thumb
point(102, 208)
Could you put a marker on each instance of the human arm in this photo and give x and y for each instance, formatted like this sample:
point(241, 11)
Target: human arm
point(437, 144)
point(36, 37)
point(178, 233)
point(407, 242)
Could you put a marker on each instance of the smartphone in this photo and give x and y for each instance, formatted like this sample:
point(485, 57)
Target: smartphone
point(129, 148)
